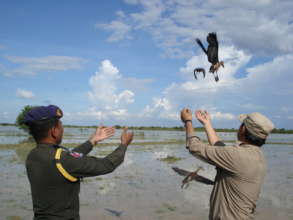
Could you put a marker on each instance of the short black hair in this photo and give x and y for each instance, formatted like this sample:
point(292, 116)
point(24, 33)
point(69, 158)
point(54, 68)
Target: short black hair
point(252, 139)
point(39, 129)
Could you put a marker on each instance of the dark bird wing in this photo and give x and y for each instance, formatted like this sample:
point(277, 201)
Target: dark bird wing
point(181, 172)
point(203, 179)
point(195, 177)
point(212, 48)
point(198, 70)
point(201, 45)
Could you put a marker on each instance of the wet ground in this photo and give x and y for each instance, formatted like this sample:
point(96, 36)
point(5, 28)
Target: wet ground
point(145, 186)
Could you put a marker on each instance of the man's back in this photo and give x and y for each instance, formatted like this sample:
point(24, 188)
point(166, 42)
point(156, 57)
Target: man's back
point(241, 171)
point(54, 197)
point(237, 188)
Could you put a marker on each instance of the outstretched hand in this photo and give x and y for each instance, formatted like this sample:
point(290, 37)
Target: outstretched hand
point(203, 117)
point(126, 137)
point(101, 134)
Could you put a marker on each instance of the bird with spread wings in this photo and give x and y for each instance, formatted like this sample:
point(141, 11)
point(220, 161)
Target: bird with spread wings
point(189, 176)
point(212, 54)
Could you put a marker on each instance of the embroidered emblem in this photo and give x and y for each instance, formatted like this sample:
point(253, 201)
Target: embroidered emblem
point(76, 155)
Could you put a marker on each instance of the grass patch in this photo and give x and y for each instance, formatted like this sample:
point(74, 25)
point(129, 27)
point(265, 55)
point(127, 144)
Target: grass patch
point(86, 180)
point(169, 207)
point(170, 159)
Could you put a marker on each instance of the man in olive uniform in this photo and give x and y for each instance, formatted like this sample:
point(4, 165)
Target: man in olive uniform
point(54, 172)
point(240, 168)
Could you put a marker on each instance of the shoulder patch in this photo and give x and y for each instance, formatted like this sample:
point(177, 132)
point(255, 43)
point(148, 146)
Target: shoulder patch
point(76, 154)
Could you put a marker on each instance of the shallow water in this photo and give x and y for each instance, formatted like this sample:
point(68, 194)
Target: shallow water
point(145, 187)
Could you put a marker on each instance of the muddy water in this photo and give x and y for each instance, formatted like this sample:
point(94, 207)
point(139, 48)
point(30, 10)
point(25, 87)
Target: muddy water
point(145, 186)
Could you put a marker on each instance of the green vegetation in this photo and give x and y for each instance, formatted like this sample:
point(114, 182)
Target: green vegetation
point(165, 207)
point(170, 159)
point(169, 207)
point(7, 124)
point(20, 118)
point(282, 131)
point(19, 123)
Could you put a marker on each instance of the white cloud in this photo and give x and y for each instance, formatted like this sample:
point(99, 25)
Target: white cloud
point(160, 108)
point(136, 84)
point(104, 85)
point(94, 113)
point(265, 88)
point(150, 15)
point(220, 116)
point(258, 27)
point(24, 94)
point(109, 99)
point(35, 65)
point(285, 109)
point(133, 2)
point(111, 96)
point(5, 115)
point(119, 29)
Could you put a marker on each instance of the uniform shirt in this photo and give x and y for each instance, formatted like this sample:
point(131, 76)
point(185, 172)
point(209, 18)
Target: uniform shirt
point(54, 197)
point(240, 174)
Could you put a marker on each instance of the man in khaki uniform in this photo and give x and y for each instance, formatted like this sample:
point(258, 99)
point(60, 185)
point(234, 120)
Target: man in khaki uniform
point(240, 168)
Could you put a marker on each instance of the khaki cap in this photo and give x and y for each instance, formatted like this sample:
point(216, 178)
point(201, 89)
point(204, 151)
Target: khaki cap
point(257, 124)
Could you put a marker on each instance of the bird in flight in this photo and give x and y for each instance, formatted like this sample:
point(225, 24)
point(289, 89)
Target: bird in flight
point(212, 54)
point(189, 176)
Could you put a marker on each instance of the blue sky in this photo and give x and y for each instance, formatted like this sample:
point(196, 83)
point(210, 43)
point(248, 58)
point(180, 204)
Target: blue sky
point(131, 62)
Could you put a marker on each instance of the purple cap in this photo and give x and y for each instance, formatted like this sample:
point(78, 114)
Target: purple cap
point(42, 113)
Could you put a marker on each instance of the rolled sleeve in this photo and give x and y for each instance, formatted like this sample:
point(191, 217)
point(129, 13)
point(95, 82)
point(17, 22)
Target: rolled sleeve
point(222, 157)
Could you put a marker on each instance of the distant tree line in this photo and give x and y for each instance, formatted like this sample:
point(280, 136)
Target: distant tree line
point(176, 128)
point(19, 123)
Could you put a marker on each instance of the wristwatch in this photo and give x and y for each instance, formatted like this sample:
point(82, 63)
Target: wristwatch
point(185, 122)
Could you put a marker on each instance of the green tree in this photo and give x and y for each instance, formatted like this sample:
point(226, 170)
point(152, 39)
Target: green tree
point(20, 118)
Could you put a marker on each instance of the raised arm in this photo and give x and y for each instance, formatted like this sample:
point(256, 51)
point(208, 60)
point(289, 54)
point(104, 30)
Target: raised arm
point(221, 157)
point(86, 166)
point(204, 118)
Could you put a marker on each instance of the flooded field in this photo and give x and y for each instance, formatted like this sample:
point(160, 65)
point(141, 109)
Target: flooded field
point(144, 186)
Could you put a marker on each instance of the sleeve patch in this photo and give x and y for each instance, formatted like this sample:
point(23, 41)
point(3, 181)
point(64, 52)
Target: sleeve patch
point(76, 154)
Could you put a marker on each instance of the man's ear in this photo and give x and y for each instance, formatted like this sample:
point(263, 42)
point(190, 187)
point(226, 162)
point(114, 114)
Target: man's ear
point(244, 129)
point(54, 132)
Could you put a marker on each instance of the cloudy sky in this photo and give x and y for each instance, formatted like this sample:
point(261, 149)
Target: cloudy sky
point(130, 62)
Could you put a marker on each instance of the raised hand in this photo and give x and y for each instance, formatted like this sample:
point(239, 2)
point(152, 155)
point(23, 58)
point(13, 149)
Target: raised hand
point(203, 117)
point(126, 137)
point(101, 134)
point(186, 115)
